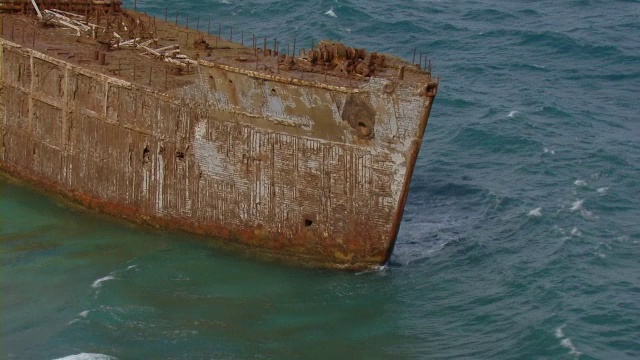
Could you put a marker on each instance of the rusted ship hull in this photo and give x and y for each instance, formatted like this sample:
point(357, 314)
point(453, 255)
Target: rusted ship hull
point(294, 168)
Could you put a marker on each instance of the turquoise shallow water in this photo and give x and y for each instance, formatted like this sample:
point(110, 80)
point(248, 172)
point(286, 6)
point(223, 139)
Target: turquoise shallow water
point(521, 236)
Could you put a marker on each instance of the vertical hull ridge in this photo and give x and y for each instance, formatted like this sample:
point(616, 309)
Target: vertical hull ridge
point(299, 169)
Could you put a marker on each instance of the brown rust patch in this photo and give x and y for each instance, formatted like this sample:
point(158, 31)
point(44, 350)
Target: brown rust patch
point(299, 249)
point(360, 115)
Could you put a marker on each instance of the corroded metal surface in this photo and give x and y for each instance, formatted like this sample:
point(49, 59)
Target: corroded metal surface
point(308, 170)
point(81, 6)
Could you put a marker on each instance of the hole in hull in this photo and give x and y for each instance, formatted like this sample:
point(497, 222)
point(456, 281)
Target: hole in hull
point(364, 129)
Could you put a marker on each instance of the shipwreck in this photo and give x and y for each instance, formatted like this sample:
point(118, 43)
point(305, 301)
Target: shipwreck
point(300, 154)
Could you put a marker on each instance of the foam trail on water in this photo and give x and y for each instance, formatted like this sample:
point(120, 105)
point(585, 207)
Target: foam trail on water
point(602, 190)
point(513, 113)
point(377, 269)
point(566, 342)
point(331, 13)
point(537, 212)
point(575, 232)
point(98, 283)
point(577, 205)
point(83, 314)
point(87, 356)
point(580, 183)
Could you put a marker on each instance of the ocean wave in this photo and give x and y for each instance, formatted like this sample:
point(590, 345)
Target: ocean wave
point(98, 283)
point(615, 76)
point(88, 356)
point(575, 232)
point(487, 15)
point(527, 68)
point(331, 13)
point(456, 189)
point(577, 205)
point(418, 241)
point(537, 212)
point(565, 341)
point(554, 112)
point(458, 102)
point(81, 315)
point(529, 12)
point(495, 142)
point(562, 43)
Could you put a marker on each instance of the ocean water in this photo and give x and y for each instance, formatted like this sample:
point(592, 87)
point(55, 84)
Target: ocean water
point(521, 235)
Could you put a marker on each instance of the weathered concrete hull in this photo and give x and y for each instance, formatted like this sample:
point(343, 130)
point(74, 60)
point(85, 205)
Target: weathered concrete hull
point(303, 172)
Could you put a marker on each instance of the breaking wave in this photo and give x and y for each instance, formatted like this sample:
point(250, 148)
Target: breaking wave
point(88, 356)
point(98, 283)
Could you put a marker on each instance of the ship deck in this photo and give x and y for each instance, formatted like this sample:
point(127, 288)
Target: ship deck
point(244, 52)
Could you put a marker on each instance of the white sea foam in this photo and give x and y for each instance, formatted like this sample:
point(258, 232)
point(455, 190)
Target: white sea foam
point(566, 342)
point(98, 283)
point(587, 214)
point(552, 152)
point(377, 269)
point(513, 113)
point(131, 267)
point(577, 205)
point(580, 183)
point(602, 190)
point(623, 238)
point(83, 314)
point(87, 356)
point(575, 232)
point(331, 13)
point(537, 212)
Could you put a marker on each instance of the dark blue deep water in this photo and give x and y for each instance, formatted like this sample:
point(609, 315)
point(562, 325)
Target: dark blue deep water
point(521, 236)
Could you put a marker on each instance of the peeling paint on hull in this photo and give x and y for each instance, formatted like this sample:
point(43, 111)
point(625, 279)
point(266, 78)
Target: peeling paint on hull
point(263, 162)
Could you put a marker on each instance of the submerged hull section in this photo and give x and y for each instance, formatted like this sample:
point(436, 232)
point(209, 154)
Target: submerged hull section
point(296, 169)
